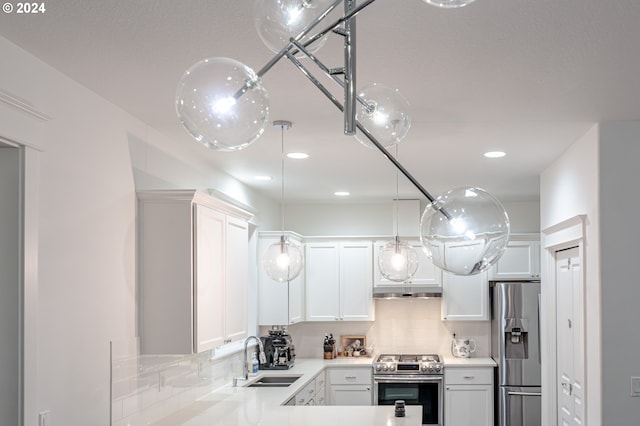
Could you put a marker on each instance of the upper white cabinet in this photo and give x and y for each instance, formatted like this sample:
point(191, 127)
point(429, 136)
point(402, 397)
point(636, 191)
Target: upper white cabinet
point(278, 303)
point(521, 259)
point(465, 298)
point(193, 262)
point(338, 281)
point(427, 275)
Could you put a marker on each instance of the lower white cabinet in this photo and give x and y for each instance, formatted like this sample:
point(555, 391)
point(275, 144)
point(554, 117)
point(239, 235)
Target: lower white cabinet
point(312, 394)
point(350, 386)
point(468, 396)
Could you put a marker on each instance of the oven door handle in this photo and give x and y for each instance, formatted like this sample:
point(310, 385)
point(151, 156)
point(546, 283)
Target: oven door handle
point(407, 379)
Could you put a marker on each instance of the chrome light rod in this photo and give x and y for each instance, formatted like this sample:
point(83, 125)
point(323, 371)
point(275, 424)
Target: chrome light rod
point(369, 136)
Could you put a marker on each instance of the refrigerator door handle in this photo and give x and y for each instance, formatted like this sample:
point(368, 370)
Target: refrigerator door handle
point(525, 393)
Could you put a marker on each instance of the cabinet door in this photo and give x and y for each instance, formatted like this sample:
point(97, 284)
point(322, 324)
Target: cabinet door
point(521, 260)
point(272, 295)
point(465, 298)
point(356, 269)
point(236, 266)
point(209, 278)
point(296, 299)
point(322, 281)
point(350, 395)
point(477, 403)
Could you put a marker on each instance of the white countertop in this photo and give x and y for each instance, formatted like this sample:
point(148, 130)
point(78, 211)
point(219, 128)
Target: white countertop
point(250, 406)
point(450, 361)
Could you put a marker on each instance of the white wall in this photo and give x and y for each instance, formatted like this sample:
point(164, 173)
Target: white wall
point(619, 236)
point(9, 285)
point(570, 187)
point(377, 218)
point(87, 288)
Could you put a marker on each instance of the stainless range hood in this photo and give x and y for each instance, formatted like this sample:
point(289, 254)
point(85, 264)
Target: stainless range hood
point(406, 292)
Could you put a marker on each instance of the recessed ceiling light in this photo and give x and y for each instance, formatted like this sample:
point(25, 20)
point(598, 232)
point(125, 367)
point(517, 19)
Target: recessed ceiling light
point(262, 178)
point(342, 193)
point(494, 154)
point(298, 155)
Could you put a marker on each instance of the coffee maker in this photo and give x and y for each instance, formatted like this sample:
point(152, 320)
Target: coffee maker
point(278, 349)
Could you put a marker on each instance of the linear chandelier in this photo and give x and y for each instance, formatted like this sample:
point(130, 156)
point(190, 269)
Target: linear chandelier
point(223, 105)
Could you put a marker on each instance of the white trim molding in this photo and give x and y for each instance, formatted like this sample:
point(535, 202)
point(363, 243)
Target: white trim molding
point(562, 235)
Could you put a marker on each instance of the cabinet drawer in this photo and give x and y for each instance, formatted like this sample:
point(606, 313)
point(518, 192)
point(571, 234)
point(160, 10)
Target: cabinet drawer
point(468, 376)
point(320, 379)
point(359, 376)
point(306, 393)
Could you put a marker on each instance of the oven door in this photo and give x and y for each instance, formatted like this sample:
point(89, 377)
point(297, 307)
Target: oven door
point(413, 390)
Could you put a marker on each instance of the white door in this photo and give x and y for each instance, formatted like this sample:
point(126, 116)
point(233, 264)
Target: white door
point(322, 281)
point(570, 338)
point(236, 276)
point(209, 278)
point(356, 281)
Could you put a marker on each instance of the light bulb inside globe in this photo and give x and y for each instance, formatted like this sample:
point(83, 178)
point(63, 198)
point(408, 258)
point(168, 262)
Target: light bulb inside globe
point(398, 261)
point(384, 113)
point(464, 231)
point(222, 104)
point(283, 260)
point(449, 4)
point(277, 21)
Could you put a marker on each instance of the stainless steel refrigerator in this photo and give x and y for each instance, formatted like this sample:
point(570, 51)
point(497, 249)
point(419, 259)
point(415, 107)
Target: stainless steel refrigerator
point(515, 346)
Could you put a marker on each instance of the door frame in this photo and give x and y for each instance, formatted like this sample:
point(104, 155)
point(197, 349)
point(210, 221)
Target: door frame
point(27, 280)
point(563, 235)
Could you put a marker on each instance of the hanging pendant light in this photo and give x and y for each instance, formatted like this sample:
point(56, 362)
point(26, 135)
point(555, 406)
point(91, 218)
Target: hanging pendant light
point(397, 261)
point(283, 260)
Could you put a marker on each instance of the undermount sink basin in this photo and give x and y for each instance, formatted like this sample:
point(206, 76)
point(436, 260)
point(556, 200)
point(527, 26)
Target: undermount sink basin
point(274, 381)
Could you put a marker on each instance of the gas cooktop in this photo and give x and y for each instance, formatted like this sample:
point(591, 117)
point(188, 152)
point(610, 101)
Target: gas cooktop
point(421, 364)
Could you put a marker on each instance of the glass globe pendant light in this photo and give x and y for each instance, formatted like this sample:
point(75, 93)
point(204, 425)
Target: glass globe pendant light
point(449, 4)
point(385, 113)
point(397, 261)
point(222, 104)
point(464, 231)
point(283, 260)
point(277, 21)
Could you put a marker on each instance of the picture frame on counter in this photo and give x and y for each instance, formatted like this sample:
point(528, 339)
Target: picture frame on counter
point(353, 345)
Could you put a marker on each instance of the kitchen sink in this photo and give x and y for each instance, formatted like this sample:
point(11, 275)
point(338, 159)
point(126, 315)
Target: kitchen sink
point(274, 381)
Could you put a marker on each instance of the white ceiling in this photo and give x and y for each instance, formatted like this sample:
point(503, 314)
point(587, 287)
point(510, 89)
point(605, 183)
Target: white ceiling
point(527, 77)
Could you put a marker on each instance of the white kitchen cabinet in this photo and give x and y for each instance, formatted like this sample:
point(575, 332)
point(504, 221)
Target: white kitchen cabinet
point(427, 275)
point(313, 393)
point(193, 261)
point(350, 386)
point(465, 298)
point(279, 303)
point(521, 260)
point(338, 281)
point(468, 396)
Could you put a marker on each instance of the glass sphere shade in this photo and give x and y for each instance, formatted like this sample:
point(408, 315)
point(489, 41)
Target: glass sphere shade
point(277, 21)
point(283, 260)
point(385, 114)
point(449, 4)
point(222, 104)
point(464, 231)
point(398, 261)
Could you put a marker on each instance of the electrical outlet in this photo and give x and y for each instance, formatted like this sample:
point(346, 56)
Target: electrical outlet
point(44, 418)
point(635, 386)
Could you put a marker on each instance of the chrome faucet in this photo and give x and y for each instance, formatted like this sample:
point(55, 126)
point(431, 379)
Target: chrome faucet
point(262, 358)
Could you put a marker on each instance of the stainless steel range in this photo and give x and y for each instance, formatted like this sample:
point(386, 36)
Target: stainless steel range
point(414, 379)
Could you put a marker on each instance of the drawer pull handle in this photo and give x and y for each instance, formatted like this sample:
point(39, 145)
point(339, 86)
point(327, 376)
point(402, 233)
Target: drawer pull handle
point(349, 377)
point(469, 377)
point(310, 391)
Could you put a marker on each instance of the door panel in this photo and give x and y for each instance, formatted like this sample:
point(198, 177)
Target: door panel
point(570, 338)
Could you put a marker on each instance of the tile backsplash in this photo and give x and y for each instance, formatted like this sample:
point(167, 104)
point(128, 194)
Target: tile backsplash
point(401, 326)
point(147, 388)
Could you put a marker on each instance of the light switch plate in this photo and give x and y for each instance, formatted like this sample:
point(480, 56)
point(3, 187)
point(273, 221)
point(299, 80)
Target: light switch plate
point(635, 386)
